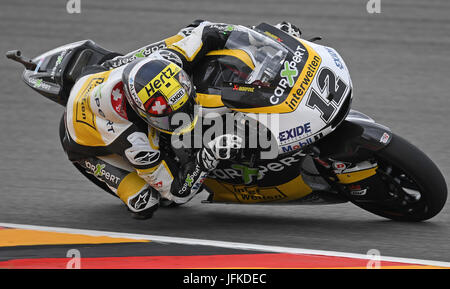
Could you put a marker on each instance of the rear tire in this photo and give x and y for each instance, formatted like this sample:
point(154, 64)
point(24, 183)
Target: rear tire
point(417, 186)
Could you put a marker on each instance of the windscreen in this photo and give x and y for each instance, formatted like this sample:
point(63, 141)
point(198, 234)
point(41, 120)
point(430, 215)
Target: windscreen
point(266, 54)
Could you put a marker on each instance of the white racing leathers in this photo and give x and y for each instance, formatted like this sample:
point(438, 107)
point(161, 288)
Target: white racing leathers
point(115, 148)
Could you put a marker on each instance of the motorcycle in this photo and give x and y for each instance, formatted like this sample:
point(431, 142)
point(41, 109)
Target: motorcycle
point(326, 152)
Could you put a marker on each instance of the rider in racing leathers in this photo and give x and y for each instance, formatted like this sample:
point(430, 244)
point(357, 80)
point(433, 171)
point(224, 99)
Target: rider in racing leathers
point(118, 117)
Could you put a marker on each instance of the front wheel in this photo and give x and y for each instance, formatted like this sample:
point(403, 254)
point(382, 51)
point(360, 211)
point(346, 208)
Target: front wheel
point(416, 188)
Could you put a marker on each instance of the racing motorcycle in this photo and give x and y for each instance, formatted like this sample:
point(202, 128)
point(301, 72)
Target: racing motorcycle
point(327, 153)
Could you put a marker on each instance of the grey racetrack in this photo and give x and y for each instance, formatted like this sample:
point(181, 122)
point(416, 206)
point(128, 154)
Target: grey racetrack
point(399, 60)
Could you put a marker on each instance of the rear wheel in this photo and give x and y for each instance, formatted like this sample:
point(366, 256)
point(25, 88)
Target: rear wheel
point(416, 188)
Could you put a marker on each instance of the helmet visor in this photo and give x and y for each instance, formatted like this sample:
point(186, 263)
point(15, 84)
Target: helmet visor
point(181, 121)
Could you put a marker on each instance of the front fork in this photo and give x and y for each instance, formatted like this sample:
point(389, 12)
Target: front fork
point(346, 157)
point(354, 181)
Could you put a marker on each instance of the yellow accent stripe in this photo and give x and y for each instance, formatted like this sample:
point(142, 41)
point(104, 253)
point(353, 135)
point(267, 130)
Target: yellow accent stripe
point(167, 168)
point(299, 89)
point(171, 40)
point(175, 47)
point(296, 185)
point(238, 53)
point(354, 177)
point(20, 237)
point(129, 186)
point(209, 100)
point(151, 136)
point(83, 119)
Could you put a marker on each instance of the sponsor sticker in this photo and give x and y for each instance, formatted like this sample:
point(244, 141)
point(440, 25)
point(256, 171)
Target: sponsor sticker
point(295, 132)
point(83, 112)
point(176, 97)
point(249, 174)
point(193, 181)
point(163, 82)
point(297, 145)
point(189, 180)
point(243, 88)
point(288, 74)
point(255, 194)
point(38, 83)
point(144, 52)
point(335, 57)
point(196, 186)
point(358, 192)
point(384, 138)
point(304, 80)
point(58, 62)
point(339, 166)
point(100, 171)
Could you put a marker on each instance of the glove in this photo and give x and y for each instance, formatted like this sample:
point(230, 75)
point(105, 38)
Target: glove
point(289, 28)
point(221, 148)
point(225, 146)
point(196, 23)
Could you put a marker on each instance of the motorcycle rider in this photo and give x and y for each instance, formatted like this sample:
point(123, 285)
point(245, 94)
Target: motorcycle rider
point(118, 120)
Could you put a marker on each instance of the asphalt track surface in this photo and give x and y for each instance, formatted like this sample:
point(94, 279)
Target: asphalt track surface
point(399, 60)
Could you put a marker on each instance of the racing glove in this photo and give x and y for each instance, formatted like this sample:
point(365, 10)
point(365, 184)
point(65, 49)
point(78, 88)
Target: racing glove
point(289, 28)
point(192, 174)
point(221, 148)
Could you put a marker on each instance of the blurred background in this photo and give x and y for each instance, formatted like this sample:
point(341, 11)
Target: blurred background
point(399, 60)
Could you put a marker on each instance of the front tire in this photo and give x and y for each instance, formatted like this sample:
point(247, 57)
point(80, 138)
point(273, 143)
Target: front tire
point(416, 188)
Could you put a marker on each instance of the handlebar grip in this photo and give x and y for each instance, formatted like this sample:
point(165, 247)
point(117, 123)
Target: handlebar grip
point(13, 54)
point(16, 55)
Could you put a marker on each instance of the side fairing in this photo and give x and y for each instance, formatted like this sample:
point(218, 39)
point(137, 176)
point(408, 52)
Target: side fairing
point(323, 92)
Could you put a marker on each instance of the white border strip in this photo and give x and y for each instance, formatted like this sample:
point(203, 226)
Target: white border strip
point(223, 244)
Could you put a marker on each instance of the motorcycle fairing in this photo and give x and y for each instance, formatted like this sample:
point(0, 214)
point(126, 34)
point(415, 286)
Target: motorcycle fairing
point(355, 139)
point(319, 97)
point(58, 69)
point(277, 180)
point(231, 193)
point(277, 96)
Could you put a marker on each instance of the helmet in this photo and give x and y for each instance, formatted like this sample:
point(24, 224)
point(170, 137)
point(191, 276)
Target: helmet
point(162, 94)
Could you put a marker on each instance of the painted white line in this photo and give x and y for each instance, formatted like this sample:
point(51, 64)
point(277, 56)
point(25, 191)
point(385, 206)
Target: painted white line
point(224, 244)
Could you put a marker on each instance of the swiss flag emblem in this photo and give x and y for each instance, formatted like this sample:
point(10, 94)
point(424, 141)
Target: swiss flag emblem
point(157, 106)
point(118, 100)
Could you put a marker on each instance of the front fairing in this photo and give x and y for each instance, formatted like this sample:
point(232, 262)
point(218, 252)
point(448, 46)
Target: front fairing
point(307, 86)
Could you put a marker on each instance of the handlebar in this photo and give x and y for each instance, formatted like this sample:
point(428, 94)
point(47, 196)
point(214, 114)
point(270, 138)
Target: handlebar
point(16, 55)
